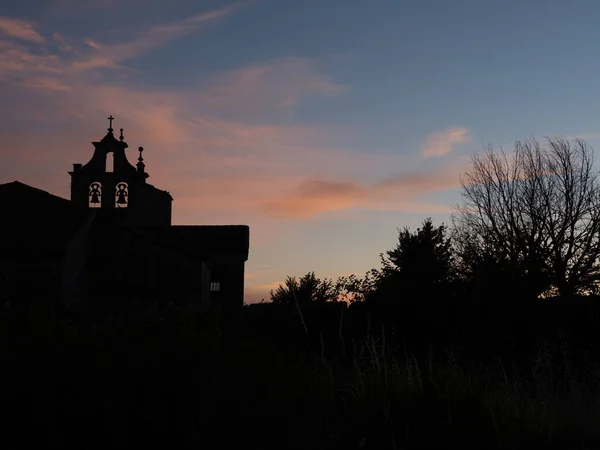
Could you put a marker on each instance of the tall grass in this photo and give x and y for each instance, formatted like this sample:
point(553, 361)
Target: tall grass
point(433, 405)
point(181, 378)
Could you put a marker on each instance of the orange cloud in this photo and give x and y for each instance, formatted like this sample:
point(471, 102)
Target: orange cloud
point(219, 171)
point(312, 197)
point(233, 170)
point(397, 192)
point(213, 166)
point(20, 29)
point(443, 142)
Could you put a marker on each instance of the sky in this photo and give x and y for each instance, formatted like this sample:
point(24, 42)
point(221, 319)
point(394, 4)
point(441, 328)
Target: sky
point(324, 125)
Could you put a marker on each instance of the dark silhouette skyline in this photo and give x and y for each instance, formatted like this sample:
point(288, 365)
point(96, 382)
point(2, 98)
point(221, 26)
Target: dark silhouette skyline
point(113, 244)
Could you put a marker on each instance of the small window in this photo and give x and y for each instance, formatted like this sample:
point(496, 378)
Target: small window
point(215, 286)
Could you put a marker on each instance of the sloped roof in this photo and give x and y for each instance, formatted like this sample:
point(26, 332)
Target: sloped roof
point(34, 222)
point(162, 192)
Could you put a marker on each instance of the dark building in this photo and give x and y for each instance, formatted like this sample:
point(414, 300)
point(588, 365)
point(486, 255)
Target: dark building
point(113, 245)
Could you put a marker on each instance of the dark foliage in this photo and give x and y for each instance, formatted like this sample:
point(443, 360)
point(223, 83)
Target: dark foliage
point(306, 289)
point(322, 376)
point(420, 267)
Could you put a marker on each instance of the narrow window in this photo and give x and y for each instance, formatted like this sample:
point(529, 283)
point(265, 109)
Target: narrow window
point(95, 195)
point(215, 286)
point(110, 167)
point(122, 195)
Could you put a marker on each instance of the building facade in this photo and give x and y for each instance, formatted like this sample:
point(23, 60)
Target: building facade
point(112, 245)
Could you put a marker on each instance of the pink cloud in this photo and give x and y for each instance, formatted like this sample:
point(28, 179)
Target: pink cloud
point(16, 59)
point(443, 142)
point(312, 197)
point(218, 166)
point(72, 62)
point(232, 170)
point(280, 83)
point(397, 192)
point(92, 44)
point(20, 29)
point(45, 83)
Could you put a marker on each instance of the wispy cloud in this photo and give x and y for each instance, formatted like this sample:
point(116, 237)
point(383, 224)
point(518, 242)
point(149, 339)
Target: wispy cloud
point(92, 44)
point(20, 29)
point(278, 83)
point(443, 142)
point(398, 192)
point(161, 34)
point(188, 150)
point(72, 61)
point(255, 169)
point(45, 84)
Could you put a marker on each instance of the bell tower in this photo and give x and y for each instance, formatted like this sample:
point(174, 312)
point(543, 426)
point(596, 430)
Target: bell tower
point(122, 193)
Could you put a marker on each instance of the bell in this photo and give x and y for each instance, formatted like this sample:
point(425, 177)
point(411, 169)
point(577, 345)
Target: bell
point(95, 193)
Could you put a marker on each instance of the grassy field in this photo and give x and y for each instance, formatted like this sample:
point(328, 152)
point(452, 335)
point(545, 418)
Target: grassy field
point(184, 379)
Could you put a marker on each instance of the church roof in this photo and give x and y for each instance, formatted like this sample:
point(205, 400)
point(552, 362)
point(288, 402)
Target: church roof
point(35, 222)
point(110, 138)
point(160, 191)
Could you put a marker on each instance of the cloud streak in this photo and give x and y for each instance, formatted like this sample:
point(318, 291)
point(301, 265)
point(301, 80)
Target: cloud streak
point(443, 142)
point(219, 146)
point(92, 44)
point(73, 61)
point(398, 192)
point(161, 34)
point(261, 169)
point(20, 29)
point(279, 83)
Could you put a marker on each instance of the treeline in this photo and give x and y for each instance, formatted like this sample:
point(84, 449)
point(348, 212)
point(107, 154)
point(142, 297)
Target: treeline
point(478, 334)
point(528, 227)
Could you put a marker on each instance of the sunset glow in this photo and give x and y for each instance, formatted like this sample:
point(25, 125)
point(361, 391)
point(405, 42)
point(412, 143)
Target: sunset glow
point(323, 125)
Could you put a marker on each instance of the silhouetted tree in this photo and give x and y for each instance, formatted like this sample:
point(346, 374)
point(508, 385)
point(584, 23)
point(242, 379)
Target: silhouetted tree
point(420, 265)
point(536, 214)
point(355, 289)
point(306, 289)
point(485, 273)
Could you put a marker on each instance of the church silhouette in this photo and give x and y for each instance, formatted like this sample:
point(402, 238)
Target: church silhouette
point(112, 247)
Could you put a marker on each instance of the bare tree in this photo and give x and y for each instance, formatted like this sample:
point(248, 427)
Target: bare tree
point(539, 211)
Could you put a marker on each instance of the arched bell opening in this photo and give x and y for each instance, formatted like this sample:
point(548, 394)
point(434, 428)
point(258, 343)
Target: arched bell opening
point(122, 195)
point(95, 195)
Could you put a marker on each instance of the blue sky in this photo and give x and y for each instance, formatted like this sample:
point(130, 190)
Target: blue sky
point(324, 125)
